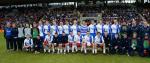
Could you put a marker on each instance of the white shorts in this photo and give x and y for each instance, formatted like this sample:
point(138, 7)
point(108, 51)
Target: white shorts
point(88, 44)
point(46, 47)
point(49, 43)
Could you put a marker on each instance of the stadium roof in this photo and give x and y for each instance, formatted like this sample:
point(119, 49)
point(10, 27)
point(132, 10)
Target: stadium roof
point(9, 2)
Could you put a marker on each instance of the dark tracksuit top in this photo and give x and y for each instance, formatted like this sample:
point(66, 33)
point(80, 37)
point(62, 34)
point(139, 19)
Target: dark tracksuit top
point(15, 36)
point(38, 42)
point(8, 32)
point(124, 42)
point(107, 40)
point(124, 29)
point(64, 39)
point(115, 42)
point(55, 40)
point(14, 32)
point(141, 30)
point(8, 37)
point(141, 34)
point(146, 30)
point(134, 29)
point(129, 31)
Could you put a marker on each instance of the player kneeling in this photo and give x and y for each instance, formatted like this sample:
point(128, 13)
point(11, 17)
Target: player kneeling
point(38, 45)
point(47, 44)
point(78, 40)
point(87, 40)
point(55, 42)
point(71, 42)
point(28, 43)
point(99, 41)
point(60, 43)
point(64, 40)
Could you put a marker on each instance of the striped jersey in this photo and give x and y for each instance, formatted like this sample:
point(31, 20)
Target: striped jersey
point(54, 29)
point(66, 29)
point(70, 38)
point(115, 28)
point(47, 28)
point(41, 30)
point(60, 29)
point(75, 29)
point(83, 30)
point(99, 39)
point(107, 28)
point(92, 28)
point(100, 28)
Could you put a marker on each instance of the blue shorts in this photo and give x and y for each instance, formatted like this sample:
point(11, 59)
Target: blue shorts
point(60, 35)
point(83, 35)
point(44, 35)
point(93, 35)
point(42, 38)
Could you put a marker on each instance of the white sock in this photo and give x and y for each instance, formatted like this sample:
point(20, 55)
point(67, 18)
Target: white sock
point(104, 50)
point(58, 51)
point(53, 50)
point(76, 48)
point(72, 48)
point(44, 50)
point(61, 50)
point(93, 50)
point(85, 50)
point(68, 49)
point(81, 49)
point(27, 49)
point(65, 50)
point(49, 50)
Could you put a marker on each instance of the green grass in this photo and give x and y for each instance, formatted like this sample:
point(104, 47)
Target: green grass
point(24, 57)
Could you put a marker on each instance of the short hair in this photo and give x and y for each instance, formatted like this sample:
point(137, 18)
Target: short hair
point(146, 34)
point(98, 32)
point(63, 32)
point(28, 35)
point(78, 31)
point(56, 33)
point(38, 35)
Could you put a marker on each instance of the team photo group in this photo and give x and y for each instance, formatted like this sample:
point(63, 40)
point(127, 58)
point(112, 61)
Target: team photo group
point(95, 37)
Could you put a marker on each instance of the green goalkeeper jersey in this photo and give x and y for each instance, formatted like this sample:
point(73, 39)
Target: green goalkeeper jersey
point(146, 44)
point(35, 33)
